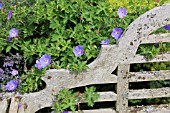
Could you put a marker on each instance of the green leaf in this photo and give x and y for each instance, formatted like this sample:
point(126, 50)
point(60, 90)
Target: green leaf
point(15, 47)
point(8, 49)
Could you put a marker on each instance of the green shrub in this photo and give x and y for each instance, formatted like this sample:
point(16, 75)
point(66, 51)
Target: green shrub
point(68, 99)
point(56, 29)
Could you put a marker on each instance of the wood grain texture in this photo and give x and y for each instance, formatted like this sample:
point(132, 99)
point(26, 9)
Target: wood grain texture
point(149, 93)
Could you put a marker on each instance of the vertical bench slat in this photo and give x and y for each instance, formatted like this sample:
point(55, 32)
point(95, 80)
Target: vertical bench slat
point(122, 88)
point(3, 105)
point(14, 105)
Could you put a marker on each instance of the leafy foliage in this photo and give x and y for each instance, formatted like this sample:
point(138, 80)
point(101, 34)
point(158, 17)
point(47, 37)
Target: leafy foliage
point(151, 50)
point(31, 80)
point(66, 98)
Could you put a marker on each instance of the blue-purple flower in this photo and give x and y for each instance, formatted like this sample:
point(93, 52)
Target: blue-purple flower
point(64, 112)
point(8, 64)
point(105, 42)
point(0, 5)
point(43, 61)
point(18, 57)
point(78, 50)
point(9, 39)
point(116, 33)
point(1, 71)
point(14, 72)
point(7, 58)
point(13, 32)
point(38, 64)
point(167, 27)
point(11, 85)
point(122, 12)
point(9, 14)
point(156, 45)
point(46, 59)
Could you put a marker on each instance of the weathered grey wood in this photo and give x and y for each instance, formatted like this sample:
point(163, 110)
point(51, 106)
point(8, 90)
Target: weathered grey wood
point(162, 108)
point(86, 78)
point(155, 38)
point(3, 106)
point(109, 110)
point(159, 58)
point(35, 101)
point(149, 93)
point(107, 96)
point(140, 29)
point(149, 75)
point(14, 105)
point(122, 88)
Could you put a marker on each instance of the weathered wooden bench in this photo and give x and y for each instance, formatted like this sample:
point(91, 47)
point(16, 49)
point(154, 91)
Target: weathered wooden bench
point(120, 56)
